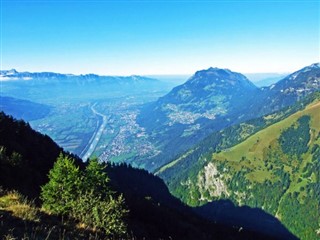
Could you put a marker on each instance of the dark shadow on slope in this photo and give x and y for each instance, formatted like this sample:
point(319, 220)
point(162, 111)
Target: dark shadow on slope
point(156, 214)
point(26, 156)
point(246, 218)
point(49, 227)
point(23, 109)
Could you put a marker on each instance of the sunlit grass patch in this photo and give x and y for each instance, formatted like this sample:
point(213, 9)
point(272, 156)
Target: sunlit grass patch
point(19, 206)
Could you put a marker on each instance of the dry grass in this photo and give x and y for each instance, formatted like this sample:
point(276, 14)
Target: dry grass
point(21, 219)
point(19, 206)
point(9, 237)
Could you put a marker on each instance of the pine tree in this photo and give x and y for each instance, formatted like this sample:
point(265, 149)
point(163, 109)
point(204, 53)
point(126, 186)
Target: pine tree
point(60, 193)
point(96, 178)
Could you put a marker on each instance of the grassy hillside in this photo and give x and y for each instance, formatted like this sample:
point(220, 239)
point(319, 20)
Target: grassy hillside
point(257, 153)
point(275, 169)
point(285, 155)
point(20, 218)
point(190, 162)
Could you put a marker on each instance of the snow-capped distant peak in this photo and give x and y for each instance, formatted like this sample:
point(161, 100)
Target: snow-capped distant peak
point(8, 72)
point(311, 67)
point(135, 77)
point(303, 70)
point(315, 65)
point(11, 72)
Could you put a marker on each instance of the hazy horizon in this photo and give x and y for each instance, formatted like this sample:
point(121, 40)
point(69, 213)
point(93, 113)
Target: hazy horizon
point(177, 78)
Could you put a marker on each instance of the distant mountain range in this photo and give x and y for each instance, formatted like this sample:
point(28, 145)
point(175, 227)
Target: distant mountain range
point(48, 86)
point(209, 101)
point(11, 75)
point(213, 99)
point(265, 79)
point(291, 89)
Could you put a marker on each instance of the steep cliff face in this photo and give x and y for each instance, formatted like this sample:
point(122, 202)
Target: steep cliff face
point(211, 183)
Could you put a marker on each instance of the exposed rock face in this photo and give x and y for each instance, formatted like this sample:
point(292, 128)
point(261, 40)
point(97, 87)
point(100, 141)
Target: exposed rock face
point(210, 183)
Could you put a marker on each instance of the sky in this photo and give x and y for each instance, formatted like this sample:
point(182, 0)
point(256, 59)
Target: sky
point(151, 37)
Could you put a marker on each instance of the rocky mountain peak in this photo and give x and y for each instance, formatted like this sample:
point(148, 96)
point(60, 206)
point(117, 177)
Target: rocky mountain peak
point(315, 65)
point(8, 72)
point(221, 78)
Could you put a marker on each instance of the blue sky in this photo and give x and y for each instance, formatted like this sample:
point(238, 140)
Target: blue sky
point(159, 37)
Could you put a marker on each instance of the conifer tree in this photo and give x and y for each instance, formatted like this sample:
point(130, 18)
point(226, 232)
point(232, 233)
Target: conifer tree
point(60, 193)
point(96, 178)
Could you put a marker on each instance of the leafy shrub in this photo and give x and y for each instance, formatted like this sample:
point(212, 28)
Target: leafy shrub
point(106, 214)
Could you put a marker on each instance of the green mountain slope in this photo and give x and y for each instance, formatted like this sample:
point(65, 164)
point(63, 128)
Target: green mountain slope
point(287, 91)
point(276, 168)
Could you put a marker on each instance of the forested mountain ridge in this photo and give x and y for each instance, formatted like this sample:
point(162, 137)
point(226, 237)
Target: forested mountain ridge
point(208, 94)
point(273, 165)
point(290, 89)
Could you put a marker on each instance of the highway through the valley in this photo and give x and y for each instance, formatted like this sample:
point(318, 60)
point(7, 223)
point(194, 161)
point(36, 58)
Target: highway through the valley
point(92, 144)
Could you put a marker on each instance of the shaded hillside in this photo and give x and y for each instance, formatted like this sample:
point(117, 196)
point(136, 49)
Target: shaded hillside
point(23, 109)
point(21, 219)
point(226, 212)
point(26, 156)
point(155, 213)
